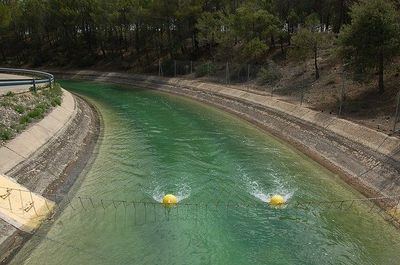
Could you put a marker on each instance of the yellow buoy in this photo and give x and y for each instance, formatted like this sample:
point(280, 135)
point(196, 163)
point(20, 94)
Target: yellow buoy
point(277, 200)
point(169, 200)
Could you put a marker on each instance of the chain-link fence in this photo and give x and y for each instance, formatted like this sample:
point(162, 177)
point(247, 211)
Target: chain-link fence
point(337, 92)
point(221, 72)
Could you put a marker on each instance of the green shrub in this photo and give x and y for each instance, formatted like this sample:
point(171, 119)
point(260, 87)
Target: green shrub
point(44, 99)
point(53, 92)
point(269, 75)
point(56, 89)
point(243, 72)
point(205, 69)
point(37, 112)
point(5, 134)
point(18, 127)
point(43, 105)
point(56, 102)
point(5, 102)
point(20, 109)
point(10, 94)
point(24, 119)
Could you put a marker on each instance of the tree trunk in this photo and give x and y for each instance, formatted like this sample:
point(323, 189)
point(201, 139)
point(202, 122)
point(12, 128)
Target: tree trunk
point(381, 87)
point(272, 41)
point(341, 16)
point(137, 38)
point(281, 44)
point(3, 54)
point(316, 63)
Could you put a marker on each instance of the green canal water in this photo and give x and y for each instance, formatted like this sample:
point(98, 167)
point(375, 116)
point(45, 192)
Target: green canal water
point(153, 144)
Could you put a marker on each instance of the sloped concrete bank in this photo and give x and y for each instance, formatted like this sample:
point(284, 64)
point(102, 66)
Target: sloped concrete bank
point(47, 158)
point(366, 159)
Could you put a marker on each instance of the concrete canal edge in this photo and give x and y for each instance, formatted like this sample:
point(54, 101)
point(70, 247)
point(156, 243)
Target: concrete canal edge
point(29, 141)
point(366, 159)
point(45, 159)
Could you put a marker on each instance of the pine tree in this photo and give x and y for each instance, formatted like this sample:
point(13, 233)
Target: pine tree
point(372, 39)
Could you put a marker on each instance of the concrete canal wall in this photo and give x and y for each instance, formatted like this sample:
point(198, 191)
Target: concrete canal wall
point(44, 159)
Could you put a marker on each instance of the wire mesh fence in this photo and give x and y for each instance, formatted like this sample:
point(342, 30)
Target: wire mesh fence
point(23, 203)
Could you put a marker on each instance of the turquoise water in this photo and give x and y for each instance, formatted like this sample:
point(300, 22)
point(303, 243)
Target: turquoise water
point(153, 144)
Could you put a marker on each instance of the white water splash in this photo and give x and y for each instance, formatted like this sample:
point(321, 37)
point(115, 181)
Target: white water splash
point(157, 194)
point(181, 191)
point(264, 195)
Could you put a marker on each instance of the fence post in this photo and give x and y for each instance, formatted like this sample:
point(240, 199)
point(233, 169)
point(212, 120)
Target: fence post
point(396, 116)
point(191, 67)
point(248, 72)
point(227, 72)
point(342, 95)
point(302, 87)
point(34, 84)
point(174, 68)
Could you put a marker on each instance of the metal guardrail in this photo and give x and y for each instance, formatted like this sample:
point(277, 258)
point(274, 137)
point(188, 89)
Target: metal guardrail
point(38, 77)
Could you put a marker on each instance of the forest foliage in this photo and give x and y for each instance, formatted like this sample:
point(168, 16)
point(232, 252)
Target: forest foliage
point(137, 33)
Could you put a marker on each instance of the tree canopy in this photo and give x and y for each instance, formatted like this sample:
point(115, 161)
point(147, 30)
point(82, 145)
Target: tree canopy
point(139, 33)
point(372, 38)
point(308, 41)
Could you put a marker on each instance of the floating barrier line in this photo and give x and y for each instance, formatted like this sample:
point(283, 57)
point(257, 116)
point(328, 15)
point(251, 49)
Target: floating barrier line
point(86, 203)
point(216, 203)
point(91, 202)
point(298, 203)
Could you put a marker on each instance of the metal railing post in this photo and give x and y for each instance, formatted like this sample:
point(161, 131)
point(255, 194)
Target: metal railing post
point(34, 84)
